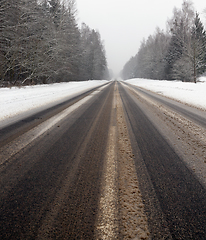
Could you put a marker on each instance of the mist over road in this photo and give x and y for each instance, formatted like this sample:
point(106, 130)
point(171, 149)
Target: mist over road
point(117, 162)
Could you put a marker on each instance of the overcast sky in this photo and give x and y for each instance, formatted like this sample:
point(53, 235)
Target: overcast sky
point(124, 23)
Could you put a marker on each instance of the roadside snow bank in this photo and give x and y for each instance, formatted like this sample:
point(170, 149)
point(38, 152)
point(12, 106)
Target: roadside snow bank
point(15, 101)
point(186, 92)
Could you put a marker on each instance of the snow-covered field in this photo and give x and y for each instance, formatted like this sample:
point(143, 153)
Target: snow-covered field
point(15, 101)
point(186, 92)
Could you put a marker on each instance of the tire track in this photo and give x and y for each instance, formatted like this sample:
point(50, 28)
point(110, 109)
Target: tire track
point(181, 196)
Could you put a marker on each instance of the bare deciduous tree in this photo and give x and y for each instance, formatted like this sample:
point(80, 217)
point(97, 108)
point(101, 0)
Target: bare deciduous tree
point(40, 42)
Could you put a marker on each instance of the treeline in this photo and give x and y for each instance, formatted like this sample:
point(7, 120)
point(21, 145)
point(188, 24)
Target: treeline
point(40, 42)
point(176, 54)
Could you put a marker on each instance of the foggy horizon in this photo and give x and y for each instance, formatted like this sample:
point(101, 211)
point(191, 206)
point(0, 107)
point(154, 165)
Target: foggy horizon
point(123, 27)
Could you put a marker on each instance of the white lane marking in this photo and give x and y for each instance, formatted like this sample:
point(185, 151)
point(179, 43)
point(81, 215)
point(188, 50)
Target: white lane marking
point(21, 142)
point(121, 210)
point(107, 216)
point(106, 224)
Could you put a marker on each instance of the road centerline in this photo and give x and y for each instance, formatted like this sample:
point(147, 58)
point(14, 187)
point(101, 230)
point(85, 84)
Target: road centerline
point(121, 211)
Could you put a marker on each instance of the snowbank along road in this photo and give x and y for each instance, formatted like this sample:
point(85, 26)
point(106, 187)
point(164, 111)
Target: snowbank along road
point(116, 162)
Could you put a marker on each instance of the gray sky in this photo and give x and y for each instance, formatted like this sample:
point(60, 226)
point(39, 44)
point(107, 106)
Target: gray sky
point(124, 23)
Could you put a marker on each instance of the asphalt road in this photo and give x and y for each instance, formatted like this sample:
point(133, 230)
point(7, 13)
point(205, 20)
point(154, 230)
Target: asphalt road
point(181, 196)
point(50, 189)
point(196, 115)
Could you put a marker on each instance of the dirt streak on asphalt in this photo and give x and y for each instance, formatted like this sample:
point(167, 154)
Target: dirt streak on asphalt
point(107, 219)
point(180, 194)
point(133, 221)
point(121, 210)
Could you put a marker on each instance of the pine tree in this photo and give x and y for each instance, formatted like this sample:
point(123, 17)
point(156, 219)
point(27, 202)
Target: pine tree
point(176, 49)
point(93, 59)
point(198, 48)
point(177, 56)
point(56, 11)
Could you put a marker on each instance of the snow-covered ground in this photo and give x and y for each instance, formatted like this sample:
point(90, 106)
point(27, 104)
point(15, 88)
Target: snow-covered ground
point(15, 101)
point(186, 92)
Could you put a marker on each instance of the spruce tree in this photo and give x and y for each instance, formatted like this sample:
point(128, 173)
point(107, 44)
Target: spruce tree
point(198, 48)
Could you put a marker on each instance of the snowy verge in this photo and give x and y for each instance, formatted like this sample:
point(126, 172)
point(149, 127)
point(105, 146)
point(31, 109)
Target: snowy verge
point(17, 101)
point(186, 92)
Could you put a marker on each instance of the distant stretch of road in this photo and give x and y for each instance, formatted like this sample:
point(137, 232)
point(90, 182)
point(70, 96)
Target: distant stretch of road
point(55, 172)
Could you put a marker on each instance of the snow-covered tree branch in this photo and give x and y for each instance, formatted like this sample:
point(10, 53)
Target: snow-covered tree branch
point(40, 42)
point(179, 53)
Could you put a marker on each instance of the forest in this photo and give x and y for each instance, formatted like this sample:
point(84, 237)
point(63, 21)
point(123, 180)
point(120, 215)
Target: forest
point(41, 42)
point(179, 53)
